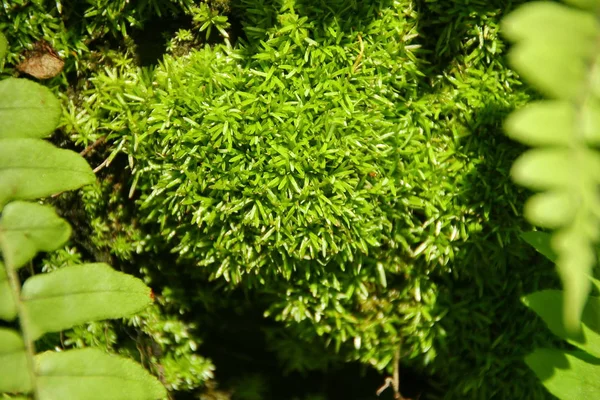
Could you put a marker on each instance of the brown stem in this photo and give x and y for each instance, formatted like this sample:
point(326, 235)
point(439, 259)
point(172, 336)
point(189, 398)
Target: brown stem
point(396, 375)
point(92, 146)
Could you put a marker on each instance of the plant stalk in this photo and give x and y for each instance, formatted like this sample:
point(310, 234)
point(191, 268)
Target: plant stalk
point(15, 285)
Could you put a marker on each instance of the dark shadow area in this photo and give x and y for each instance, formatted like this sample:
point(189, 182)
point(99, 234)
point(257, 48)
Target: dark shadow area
point(492, 275)
point(236, 342)
point(350, 14)
point(235, 338)
point(488, 190)
point(239, 348)
point(443, 24)
point(236, 28)
point(151, 41)
point(359, 13)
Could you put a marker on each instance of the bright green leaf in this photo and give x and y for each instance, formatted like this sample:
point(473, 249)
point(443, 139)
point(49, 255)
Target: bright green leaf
point(548, 305)
point(550, 22)
point(538, 21)
point(542, 123)
point(8, 310)
point(555, 71)
point(543, 169)
point(81, 293)
point(576, 257)
point(550, 209)
point(541, 241)
point(549, 168)
point(32, 168)
point(93, 375)
point(589, 121)
point(14, 372)
point(554, 45)
point(28, 228)
point(567, 375)
point(27, 109)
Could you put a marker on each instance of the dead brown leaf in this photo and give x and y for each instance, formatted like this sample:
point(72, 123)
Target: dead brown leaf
point(42, 62)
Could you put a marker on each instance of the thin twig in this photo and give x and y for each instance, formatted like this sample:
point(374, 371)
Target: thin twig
point(386, 384)
point(396, 375)
point(92, 146)
point(102, 165)
point(394, 380)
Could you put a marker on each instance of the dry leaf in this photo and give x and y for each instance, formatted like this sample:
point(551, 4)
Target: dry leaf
point(42, 62)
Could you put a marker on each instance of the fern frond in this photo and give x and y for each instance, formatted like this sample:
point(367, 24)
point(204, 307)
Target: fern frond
point(30, 168)
point(557, 49)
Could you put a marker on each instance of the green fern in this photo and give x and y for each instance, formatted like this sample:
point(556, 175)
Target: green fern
point(567, 374)
point(557, 48)
point(31, 168)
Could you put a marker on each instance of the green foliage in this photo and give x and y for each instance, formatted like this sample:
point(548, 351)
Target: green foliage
point(106, 377)
point(19, 99)
point(540, 241)
point(79, 294)
point(19, 179)
point(180, 367)
point(556, 49)
point(278, 186)
point(28, 228)
point(12, 353)
point(206, 18)
point(58, 300)
point(567, 374)
point(547, 303)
